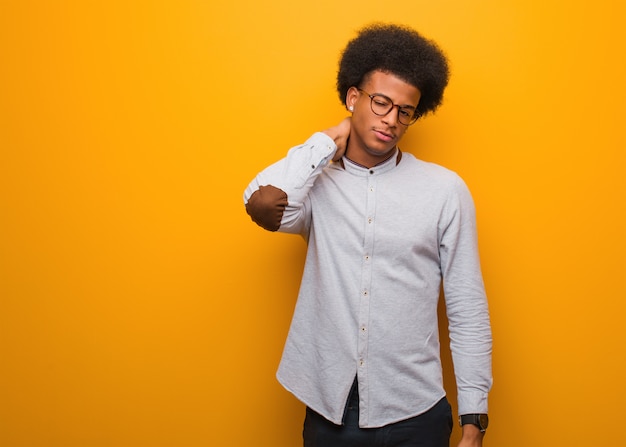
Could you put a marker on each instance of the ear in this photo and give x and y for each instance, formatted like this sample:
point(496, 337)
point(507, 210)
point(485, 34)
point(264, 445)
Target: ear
point(351, 97)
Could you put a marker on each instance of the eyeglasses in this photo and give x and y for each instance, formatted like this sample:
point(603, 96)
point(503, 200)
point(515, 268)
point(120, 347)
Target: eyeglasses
point(382, 105)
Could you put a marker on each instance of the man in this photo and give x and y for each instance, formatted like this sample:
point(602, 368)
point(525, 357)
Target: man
point(385, 231)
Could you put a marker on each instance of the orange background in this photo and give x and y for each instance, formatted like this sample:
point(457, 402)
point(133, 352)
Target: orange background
point(139, 306)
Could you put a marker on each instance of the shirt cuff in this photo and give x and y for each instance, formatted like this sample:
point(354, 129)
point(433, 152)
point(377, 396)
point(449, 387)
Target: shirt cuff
point(311, 158)
point(472, 402)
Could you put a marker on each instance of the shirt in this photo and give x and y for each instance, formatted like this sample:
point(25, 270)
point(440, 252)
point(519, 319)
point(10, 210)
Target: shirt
point(381, 243)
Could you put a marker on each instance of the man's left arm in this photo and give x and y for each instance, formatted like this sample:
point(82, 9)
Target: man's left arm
point(467, 309)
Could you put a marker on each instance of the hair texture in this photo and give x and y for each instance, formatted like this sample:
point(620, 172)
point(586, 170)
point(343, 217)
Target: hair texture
point(400, 51)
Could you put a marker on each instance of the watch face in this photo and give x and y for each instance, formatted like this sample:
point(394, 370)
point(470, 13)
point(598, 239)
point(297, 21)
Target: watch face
point(483, 420)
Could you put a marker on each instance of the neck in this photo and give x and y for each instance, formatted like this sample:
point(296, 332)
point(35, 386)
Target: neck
point(367, 160)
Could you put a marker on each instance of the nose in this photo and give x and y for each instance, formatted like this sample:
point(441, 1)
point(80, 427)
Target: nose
point(391, 118)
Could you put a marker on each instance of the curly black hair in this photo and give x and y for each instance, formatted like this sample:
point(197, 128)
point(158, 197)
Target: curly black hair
point(398, 50)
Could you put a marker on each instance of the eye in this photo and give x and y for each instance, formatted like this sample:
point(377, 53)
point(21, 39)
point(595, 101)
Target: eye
point(380, 101)
point(406, 113)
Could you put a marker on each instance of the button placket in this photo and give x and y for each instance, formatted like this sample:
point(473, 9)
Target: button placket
point(366, 282)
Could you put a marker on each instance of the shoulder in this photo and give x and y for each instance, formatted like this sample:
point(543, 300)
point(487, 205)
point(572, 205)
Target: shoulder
point(430, 172)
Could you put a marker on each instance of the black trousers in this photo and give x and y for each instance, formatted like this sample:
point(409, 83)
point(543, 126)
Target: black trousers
point(430, 429)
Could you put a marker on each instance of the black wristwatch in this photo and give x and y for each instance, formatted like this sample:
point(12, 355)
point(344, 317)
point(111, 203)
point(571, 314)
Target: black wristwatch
point(479, 420)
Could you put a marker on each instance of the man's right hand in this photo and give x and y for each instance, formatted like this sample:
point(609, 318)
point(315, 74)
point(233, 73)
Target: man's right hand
point(340, 135)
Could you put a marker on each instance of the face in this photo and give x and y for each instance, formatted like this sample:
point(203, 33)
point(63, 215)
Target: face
point(373, 138)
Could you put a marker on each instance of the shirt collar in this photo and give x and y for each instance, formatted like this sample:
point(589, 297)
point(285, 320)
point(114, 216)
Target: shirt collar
point(387, 165)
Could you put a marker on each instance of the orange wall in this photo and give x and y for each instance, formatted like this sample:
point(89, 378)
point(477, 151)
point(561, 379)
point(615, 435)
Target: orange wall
point(140, 307)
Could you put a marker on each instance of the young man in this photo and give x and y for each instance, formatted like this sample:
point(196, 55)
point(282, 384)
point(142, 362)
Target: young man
point(384, 232)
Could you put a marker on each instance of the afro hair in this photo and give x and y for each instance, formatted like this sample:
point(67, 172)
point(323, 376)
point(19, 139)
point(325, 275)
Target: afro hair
point(400, 51)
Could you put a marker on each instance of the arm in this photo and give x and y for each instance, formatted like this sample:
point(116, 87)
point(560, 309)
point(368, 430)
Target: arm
point(277, 198)
point(340, 134)
point(466, 305)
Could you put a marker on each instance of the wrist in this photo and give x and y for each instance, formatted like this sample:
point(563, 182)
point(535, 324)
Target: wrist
point(478, 420)
point(471, 431)
point(334, 133)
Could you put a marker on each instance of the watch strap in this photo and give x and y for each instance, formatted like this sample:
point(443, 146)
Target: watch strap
point(480, 420)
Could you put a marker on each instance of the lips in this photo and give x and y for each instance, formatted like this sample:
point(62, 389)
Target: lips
point(384, 136)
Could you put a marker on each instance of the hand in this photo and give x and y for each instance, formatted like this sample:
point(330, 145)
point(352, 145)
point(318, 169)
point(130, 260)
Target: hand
point(340, 134)
point(472, 436)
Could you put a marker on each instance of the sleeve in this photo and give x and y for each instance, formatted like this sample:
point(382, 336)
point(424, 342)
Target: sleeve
point(277, 198)
point(466, 302)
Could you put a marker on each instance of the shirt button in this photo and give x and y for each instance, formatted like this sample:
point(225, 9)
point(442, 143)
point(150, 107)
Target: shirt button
point(371, 171)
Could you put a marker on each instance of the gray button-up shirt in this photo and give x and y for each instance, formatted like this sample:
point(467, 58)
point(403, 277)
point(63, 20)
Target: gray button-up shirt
point(380, 243)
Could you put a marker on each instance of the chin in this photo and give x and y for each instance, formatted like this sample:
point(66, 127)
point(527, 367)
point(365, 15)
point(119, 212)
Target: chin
point(380, 151)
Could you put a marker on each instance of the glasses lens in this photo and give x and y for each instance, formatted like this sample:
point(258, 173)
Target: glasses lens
point(381, 105)
point(407, 116)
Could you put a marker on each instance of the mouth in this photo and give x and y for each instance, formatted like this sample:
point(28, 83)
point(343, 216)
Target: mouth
point(384, 136)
